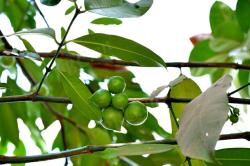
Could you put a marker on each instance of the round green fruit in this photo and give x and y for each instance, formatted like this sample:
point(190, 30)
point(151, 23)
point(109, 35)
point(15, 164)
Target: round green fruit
point(136, 113)
point(112, 118)
point(116, 84)
point(44, 90)
point(7, 62)
point(233, 118)
point(120, 101)
point(101, 98)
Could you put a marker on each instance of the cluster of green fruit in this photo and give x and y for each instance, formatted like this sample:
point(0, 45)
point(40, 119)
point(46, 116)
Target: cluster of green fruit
point(115, 106)
point(234, 114)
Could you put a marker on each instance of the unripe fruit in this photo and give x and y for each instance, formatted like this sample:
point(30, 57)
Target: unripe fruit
point(120, 101)
point(234, 118)
point(136, 113)
point(44, 90)
point(112, 118)
point(101, 98)
point(116, 84)
point(7, 62)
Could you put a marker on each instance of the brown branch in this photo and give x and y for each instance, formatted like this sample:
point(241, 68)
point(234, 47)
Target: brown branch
point(126, 63)
point(93, 148)
point(65, 100)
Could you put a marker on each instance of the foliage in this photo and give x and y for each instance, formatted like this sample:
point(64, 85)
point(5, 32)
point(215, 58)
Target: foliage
point(206, 114)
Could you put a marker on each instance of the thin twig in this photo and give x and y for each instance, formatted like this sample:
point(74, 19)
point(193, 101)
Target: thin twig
point(64, 139)
point(240, 88)
point(93, 148)
point(48, 69)
point(41, 13)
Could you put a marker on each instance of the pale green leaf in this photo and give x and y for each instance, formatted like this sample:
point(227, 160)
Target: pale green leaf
point(136, 149)
point(118, 8)
point(31, 55)
point(120, 47)
point(42, 31)
point(202, 121)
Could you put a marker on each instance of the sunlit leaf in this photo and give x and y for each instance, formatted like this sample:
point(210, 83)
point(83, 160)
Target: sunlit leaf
point(120, 47)
point(186, 88)
point(202, 121)
point(118, 8)
point(70, 10)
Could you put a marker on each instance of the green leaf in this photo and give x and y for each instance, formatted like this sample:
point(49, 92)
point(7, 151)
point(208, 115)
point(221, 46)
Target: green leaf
point(203, 53)
point(136, 149)
point(224, 23)
point(118, 8)
point(20, 13)
point(8, 125)
point(232, 157)
point(223, 44)
point(202, 121)
point(243, 14)
point(70, 10)
point(50, 2)
point(120, 47)
point(80, 96)
point(186, 88)
point(244, 78)
point(107, 21)
point(42, 31)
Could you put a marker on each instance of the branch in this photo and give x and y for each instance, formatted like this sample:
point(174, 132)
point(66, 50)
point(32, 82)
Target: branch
point(92, 148)
point(65, 100)
point(126, 63)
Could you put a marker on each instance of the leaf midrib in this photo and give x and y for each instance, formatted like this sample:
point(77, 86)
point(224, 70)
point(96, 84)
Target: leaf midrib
point(118, 48)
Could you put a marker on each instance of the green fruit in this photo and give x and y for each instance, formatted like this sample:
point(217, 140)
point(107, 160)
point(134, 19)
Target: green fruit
point(236, 111)
point(136, 113)
point(120, 101)
point(7, 62)
point(116, 84)
point(233, 118)
point(112, 118)
point(44, 90)
point(101, 98)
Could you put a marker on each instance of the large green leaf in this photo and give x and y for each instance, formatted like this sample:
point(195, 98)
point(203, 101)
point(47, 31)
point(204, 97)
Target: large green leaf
point(202, 121)
point(136, 149)
point(232, 157)
point(243, 14)
point(120, 47)
point(202, 52)
point(224, 23)
point(118, 8)
point(187, 88)
point(80, 95)
point(20, 13)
